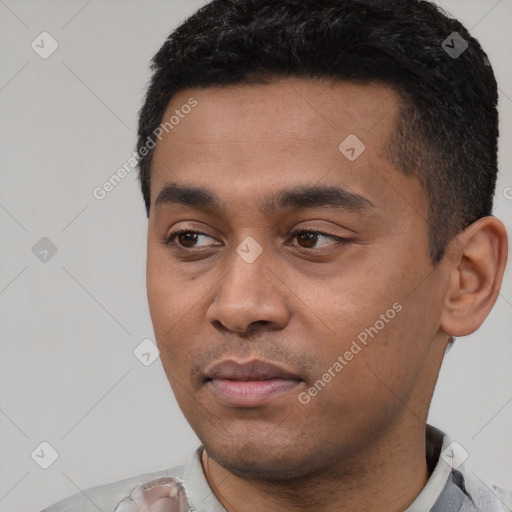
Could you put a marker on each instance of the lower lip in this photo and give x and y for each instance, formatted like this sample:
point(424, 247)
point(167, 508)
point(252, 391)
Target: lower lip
point(237, 393)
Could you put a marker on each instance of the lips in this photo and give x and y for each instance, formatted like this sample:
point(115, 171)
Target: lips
point(250, 384)
point(255, 370)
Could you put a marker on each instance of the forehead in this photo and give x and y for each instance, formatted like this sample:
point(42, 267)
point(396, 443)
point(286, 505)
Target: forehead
point(302, 110)
point(254, 137)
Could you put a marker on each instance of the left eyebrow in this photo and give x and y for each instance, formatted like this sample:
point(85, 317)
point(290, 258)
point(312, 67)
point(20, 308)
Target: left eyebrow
point(300, 198)
point(309, 197)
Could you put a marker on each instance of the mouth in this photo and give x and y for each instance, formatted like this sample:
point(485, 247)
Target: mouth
point(250, 384)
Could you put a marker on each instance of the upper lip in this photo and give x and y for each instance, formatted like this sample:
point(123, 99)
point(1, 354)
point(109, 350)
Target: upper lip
point(250, 371)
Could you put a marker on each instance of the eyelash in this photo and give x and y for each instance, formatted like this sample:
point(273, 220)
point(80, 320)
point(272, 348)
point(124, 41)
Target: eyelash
point(171, 238)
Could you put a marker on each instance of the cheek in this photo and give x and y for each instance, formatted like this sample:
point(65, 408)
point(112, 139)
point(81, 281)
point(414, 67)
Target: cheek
point(165, 308)
point(166, 290)
point(175, 306)
point(381, 331)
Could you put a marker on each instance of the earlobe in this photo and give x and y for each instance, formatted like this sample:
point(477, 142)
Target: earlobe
point(476, 260)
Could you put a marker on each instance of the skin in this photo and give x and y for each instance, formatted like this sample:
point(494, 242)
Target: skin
point(359, 444)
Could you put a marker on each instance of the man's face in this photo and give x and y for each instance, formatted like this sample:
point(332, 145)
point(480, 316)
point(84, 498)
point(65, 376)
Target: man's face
point(358, 315)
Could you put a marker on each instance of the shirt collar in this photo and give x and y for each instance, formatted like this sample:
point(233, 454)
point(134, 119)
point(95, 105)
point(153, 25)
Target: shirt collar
point(200, 496)
point(439, 477)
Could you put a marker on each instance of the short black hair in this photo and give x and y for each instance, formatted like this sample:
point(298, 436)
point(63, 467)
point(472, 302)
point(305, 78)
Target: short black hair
point(447, 131)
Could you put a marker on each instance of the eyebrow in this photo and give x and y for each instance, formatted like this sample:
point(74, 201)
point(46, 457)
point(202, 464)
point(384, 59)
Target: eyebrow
point(300, 198)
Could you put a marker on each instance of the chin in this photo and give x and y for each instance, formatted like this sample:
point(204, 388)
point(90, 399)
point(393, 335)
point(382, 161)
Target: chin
point(253, 460)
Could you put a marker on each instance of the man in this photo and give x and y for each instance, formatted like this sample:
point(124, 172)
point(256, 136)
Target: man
point(319, 179)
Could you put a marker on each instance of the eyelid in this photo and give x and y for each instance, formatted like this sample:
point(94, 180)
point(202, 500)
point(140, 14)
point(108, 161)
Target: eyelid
point(317, 232)
point(335, 238)
point(172, 236)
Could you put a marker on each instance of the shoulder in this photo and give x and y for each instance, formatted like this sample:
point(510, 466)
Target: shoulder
point(485, 496)
point(106, 497)
point(504, 496)
point(453, 480)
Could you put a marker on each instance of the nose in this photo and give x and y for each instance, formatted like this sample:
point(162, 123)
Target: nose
point(249, 295)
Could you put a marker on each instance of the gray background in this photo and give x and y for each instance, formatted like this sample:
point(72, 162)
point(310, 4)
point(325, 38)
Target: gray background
point(69, 325)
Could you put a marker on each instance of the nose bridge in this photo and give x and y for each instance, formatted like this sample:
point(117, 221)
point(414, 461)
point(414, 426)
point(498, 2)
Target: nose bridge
point(245, 292)
point(247, 274)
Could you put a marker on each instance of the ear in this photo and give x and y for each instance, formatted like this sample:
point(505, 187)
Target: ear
point(476, 260)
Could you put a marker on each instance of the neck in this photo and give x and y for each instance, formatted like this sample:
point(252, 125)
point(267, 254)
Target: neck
point(387, 478)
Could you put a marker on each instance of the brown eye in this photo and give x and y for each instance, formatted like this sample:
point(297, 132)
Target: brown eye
point(309, 238)
point(187, 239)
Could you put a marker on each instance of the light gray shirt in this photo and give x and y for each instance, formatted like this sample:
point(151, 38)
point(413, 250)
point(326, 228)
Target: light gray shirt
point(452, 486)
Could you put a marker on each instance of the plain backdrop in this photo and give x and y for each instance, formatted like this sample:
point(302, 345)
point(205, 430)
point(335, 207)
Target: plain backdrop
point(70, 323)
